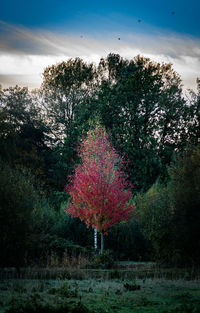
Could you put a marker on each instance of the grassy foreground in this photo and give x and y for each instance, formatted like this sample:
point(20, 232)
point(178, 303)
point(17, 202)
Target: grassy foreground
point(100, 295)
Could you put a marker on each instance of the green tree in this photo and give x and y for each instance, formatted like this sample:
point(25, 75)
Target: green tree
point(24, 134)
point(185, 192)
point(141, 102)
point(18, 200)
point(169, 215)
point(193, 124)
point(66, 87)
point(154, 214)
point(135, 246)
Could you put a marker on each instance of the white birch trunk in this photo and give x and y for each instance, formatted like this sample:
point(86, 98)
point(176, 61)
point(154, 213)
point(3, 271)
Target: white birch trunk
point(102, 243)
point(95, 239)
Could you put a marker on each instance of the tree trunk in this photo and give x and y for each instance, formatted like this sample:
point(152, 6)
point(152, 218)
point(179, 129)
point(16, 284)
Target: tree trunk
point(95, 240)
point(102, 243)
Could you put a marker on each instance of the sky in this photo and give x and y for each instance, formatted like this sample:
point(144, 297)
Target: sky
point(37, 33)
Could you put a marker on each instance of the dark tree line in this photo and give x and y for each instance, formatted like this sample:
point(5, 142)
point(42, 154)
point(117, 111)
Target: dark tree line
point(141, 104)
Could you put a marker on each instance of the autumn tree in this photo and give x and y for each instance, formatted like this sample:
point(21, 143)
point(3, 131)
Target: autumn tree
point(99, 190)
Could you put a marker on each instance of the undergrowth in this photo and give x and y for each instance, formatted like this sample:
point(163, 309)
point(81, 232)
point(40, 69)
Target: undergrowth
point(99, 296)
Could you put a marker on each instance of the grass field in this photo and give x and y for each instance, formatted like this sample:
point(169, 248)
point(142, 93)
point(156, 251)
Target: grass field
point(110, 291)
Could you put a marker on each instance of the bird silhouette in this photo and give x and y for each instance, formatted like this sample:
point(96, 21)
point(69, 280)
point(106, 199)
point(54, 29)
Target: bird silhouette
point(119, 38)
point(139, 21)
point(172, 12)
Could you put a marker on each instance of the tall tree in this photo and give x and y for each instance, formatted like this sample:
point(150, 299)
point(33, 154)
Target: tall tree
point(100, 193)
point(24, 134)
point(193, 123)
point(169, 214)
point(141, 102)
point(185, 191)
point(66, 87)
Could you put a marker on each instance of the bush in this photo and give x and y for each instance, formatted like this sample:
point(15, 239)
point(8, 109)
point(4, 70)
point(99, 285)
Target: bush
point(128, 242)
point(154, 215)
point(106, 260)
point(169, 214)
point(185, 192)
point(19, 198)
point(74, 230)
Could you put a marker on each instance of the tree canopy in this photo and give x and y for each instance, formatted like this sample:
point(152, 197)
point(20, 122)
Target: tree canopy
point(151, 123)
point(100, 193)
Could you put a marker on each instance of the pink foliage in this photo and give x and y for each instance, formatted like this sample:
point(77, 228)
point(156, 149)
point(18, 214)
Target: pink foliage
point(100, 193)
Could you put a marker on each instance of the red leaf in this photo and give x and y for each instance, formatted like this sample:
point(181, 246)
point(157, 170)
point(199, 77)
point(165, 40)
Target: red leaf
point(100, 193)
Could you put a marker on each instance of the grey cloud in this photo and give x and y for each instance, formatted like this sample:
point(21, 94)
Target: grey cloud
point(172, 45)
point(20, 40)
point(182, 52)
point(22, 80)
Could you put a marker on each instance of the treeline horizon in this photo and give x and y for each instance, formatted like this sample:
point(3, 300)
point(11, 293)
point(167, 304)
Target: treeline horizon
point(153, 125)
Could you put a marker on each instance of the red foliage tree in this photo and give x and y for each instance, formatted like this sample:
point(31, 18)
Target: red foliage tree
point(99, 190)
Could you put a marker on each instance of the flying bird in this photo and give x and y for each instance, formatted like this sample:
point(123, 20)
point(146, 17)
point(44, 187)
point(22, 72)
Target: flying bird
point(172, 12)
point(119, 38)
point(139, 21)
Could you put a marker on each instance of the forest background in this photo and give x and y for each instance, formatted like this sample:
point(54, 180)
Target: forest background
point(154, 125)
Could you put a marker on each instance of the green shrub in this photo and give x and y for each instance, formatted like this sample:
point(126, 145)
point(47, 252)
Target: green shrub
point(64, 290)
point(155, 216)
point(132, 287)
point(106, 260)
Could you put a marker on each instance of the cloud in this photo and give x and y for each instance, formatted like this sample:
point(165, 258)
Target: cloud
point(24, 53)
point(21, 80)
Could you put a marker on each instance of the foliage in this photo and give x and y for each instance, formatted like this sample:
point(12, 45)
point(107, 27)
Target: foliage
point(66, 87)
point(24, 134)
point(74, 230)
point(97, 191)
point(141, 103)
point(169, 215)
point(105, 260)
point(131, 287)
point(18, 200)
point(135, 246)
point(154, 215)
point(100, 193)
point(193, 122)
point(185, 192)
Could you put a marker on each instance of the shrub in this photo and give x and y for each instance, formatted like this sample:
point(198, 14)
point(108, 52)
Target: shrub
point(169, 214)
point(105, 260)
